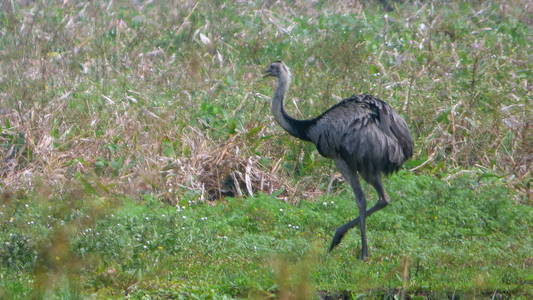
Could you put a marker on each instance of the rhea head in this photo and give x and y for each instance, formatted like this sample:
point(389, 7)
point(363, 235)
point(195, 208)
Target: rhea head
point(277, 69)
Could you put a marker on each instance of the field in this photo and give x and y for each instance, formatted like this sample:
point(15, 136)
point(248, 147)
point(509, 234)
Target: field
point(139, 158)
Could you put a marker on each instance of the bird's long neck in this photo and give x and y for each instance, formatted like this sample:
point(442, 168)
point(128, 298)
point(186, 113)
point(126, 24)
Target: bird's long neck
point(296, 128)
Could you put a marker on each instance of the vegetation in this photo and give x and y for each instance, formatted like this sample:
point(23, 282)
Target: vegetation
point(139, 158)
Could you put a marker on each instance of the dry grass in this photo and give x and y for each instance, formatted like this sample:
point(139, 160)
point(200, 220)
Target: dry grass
point(210, 169)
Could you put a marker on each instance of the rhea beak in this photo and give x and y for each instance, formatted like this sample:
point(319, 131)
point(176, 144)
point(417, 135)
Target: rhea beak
point(267, 73)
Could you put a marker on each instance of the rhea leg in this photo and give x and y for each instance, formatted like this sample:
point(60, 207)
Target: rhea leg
point(383, 200)
point(352, 177)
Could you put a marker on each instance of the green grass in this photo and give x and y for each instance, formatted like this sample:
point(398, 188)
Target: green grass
point(464, 237)
point(121, 122)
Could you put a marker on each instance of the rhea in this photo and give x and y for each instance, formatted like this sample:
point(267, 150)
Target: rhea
point(362, 134)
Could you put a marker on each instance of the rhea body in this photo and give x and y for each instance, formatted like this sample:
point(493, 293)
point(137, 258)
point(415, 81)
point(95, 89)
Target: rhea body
point(362, 134)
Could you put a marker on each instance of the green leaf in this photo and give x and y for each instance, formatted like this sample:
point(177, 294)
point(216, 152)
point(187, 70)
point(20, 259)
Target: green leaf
point(167, 148)
point(254, 131)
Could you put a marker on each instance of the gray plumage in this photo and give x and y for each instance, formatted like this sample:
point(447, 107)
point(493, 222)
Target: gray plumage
point(365, 132)
point(362, 134)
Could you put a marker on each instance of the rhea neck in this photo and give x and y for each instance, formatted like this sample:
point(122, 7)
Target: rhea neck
point(296, 128)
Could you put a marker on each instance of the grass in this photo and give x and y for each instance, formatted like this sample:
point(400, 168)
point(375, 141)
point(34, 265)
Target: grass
point(451, 238)
point(137, 149)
